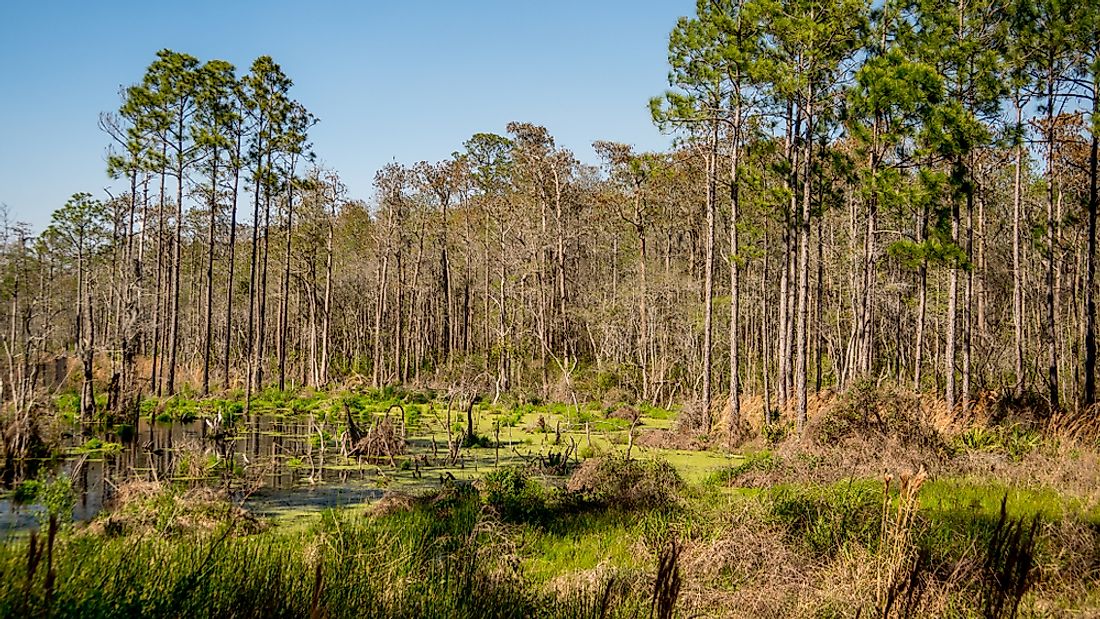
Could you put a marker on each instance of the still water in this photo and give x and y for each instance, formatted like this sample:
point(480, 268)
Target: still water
point(270, 463)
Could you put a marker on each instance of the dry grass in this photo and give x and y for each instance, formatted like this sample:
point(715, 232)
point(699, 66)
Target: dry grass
point(143, 507)
point(392, 502)
point(626, 483)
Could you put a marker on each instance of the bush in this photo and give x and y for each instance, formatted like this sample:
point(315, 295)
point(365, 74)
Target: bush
point(764, 462)
point(55, 494)
point(25, 491)
point(1015, 440)
point(513, 494)
point(867, 411)
point(511, 418)
point(776, 432)
point(617, 481)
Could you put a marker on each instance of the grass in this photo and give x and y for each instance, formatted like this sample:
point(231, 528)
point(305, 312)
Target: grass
point(452, 553)
point(787, 529)
point(438, 560)
point(517, 547)
point(581, 544)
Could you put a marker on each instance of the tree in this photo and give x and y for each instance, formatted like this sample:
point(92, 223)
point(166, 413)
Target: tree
point(812, 42)
point(78, 230)
point(962, 41)
point(215, 118)
point(173, 77)
point(263, 94)
point(696, 107)
point(888, 105)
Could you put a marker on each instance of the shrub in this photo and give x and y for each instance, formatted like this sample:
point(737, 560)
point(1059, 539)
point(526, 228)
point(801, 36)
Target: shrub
point(511, 418)
point(776, 432)
point(1015, 440)
point(25, 491)
point(763, 461)
point(55, 494)
point(513, 494)
point(617, 481)
point(868, 411)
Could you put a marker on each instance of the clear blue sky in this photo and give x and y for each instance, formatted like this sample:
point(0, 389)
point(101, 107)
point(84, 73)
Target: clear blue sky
point(404, 81)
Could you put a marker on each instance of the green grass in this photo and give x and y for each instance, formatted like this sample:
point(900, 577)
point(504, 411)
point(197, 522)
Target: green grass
point(438, 560)
point(504, 550)
point(582, 543)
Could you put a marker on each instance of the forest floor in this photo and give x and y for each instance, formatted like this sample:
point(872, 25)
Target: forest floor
point(883, 508)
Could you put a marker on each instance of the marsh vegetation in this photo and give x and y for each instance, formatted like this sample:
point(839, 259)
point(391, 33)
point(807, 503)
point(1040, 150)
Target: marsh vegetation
point(832, 353)
point(562, 510)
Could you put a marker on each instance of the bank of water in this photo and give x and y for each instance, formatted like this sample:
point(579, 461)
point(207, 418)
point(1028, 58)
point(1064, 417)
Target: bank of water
point(270, 463)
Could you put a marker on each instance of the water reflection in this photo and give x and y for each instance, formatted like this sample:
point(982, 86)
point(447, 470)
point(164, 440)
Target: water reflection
point(270, 462)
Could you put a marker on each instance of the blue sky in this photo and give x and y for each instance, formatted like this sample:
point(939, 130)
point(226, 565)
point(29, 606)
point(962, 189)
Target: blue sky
point(390, 81)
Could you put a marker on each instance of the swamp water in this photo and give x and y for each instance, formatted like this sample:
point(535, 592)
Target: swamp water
point(273, 464)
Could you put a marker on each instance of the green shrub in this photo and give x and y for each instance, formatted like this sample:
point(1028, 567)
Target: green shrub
point(68, 404)
point(511, 418)
point(776, 431)
point(55, 494)
point(25, 491)
point(513, 494)
point(763, 461)
point(1015, 440)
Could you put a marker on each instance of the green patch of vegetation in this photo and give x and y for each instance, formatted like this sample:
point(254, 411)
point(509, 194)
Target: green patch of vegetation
point(827, 519)
point(762, 461)
point(25, 491)
point(948, 498)
point(179, 408)
point(53, 492)
point(654, 412)
point(98, 446)
point(582, 543)
point(1013, 440)
point(67, 405)
point(513, 494)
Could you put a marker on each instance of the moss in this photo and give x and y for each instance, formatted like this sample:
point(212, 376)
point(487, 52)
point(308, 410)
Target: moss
point(98, 446)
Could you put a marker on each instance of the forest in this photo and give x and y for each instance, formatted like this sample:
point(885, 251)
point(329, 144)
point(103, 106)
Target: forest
point(871, 246)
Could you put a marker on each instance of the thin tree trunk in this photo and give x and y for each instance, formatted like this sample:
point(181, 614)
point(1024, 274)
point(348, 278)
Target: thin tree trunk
point(735, 271)
point(232, 264)
point(284, 301)
point(1090, 278)
point(209, 322)
point(708, 267)
point(1051, 311)
point(1017, 272)
point(803, 276)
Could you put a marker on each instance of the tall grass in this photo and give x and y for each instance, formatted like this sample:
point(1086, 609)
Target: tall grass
point(441, 559)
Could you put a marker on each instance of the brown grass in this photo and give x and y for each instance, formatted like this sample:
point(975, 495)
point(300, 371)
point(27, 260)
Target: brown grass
point(143, 507)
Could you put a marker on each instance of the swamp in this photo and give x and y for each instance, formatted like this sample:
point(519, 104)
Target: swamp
point(717, 308)
point(385, 503)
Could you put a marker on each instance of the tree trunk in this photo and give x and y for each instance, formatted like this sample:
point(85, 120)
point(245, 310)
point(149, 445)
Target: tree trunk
point(1090, 278)
point(735, 272)
point(1017, 272)
point(231, 266)
point(801, 318)
point(708, 269)
point(208, 324)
